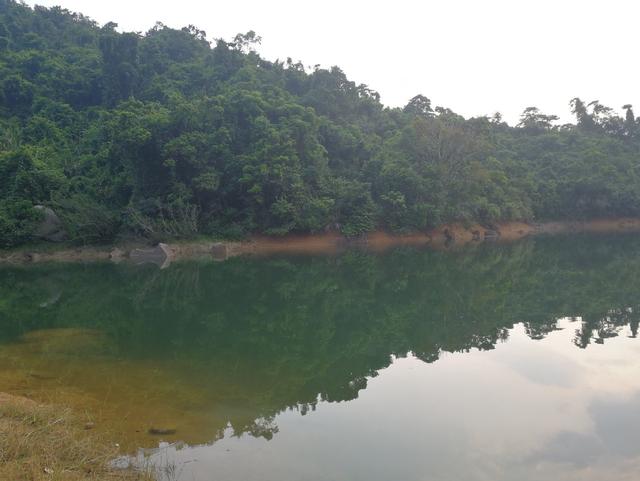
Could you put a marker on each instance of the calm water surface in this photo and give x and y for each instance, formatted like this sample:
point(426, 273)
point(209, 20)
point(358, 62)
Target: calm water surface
point(511, 362)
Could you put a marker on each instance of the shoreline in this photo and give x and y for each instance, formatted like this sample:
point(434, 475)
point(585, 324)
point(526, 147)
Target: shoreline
point(443, 237)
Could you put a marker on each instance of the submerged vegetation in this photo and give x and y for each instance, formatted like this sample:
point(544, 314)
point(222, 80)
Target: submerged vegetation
point(174, 134)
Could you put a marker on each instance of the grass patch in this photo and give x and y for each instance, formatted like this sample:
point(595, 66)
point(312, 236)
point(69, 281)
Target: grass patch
point(41, 442)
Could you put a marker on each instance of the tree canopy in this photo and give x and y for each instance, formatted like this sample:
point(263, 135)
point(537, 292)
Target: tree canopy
point(171, 133)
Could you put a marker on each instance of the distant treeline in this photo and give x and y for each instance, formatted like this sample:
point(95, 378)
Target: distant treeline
point(172, 134)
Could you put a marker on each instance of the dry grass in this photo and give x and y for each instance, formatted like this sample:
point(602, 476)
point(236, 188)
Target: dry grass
point(46, 443)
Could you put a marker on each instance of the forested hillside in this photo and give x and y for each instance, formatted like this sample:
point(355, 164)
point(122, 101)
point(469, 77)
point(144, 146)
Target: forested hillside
point(174, 133)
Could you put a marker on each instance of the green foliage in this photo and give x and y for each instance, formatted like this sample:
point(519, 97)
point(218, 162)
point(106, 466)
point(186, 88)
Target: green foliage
point(86, 220)
point(159, 221)
point(166, 134)
point(17, 221)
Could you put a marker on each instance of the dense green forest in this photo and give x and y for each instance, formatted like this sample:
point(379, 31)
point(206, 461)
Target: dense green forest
point(172, 134)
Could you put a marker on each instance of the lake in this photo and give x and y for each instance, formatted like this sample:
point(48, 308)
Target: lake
point(497, 362)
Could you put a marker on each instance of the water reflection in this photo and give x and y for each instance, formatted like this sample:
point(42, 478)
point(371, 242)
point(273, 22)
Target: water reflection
point(230, 355)
point(472, 416)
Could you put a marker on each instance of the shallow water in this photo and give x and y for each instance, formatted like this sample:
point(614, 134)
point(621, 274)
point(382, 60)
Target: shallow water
point(494, 363)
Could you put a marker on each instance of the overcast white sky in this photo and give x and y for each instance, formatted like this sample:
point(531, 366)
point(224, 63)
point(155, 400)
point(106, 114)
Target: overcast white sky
point(473, 56)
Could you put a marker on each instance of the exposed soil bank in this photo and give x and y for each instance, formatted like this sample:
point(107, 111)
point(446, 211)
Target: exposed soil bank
point(444, 236)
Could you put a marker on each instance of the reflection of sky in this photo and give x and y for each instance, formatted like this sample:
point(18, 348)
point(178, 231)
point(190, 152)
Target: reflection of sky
point(528, 410)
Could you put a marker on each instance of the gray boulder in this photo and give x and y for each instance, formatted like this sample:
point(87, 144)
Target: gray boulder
point(159, 255)
point(116, 255)
point(50, 226)
point(219, 251)
point(491, 234)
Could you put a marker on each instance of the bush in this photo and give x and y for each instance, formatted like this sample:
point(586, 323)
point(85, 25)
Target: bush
point(158, 222)
point(86, 220)
point(18, 220)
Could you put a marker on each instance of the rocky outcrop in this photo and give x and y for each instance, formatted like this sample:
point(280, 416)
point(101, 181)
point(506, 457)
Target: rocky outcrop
point(50, 227)
point(116, 255)
point(444, 237)
point(160, 255)
point(219, 251)
point(491, 234)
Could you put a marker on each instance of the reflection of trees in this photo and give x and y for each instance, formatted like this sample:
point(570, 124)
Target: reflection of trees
point(273, 334)
point(600, 328)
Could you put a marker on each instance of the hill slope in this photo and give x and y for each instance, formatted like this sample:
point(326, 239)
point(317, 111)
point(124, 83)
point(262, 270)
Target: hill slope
point(171, 134)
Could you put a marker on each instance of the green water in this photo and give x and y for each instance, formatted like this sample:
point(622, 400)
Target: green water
point(514, 362)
